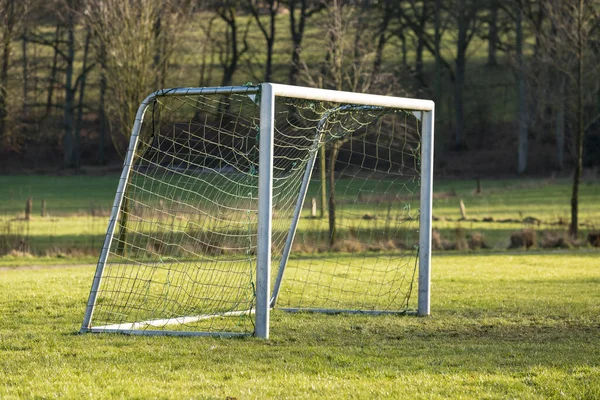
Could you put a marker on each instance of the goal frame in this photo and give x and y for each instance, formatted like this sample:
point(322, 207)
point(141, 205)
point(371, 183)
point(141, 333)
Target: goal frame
point(268, 92)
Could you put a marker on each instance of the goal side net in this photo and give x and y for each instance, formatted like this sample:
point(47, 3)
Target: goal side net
point(237, 200)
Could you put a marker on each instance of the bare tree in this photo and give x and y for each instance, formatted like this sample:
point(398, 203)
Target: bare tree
point(415, 16)
point(350, 57)
point(567, 54)
point(492, 32)
point(137, 39)
point(268, 29)
point(522, 118)
point(103, 86)
point(67, 13)
point(349, 64)
point(12, 15)
point(233, 45)
point(521, 12)
point(468, 24)
point(383, 35)
point(80, 85)
point(207, 50)
point(69, 106)
point(52, 80)
point(298, 19)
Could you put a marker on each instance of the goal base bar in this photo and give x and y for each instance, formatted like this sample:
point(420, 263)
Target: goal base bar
point(133, 327)
point(140, 332)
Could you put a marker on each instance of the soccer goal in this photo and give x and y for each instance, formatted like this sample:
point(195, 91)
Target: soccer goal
point(235, 201)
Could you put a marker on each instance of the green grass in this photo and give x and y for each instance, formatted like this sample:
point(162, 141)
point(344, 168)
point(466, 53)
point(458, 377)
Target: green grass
point(71, 229)
point(511, 198)
point(503, 326)
point(547, 200)
point(63, 194)
point(16, 261)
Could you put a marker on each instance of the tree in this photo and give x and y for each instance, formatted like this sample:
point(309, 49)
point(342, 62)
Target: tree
point(103, 123)
point(467, 25)
point(522, 117)
point(522, 12)
point(136, 39)
point(68, 14)
point(415, 17)
point(233, 45)
point(267, 31)
point(350, 63)
point(382, 35)
point(492, 34)
point(12, 15)
point(566, 46)
point(298, 20)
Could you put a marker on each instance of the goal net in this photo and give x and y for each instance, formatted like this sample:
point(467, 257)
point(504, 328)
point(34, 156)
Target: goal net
point(237, 200)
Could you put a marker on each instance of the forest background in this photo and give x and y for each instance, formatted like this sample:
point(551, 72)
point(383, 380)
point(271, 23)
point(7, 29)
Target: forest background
point(516, 83)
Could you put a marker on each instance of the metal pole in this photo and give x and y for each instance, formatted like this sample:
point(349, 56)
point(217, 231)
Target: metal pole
point(265, 210)
point(295, 219)
point(89, 311)
point(426, 207)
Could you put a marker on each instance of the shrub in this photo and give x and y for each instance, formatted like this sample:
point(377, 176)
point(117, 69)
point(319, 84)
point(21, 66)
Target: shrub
point(526, 238)
point(594, 239)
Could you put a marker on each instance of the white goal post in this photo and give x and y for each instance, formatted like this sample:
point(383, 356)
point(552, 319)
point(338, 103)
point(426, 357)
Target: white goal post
point(210, 210)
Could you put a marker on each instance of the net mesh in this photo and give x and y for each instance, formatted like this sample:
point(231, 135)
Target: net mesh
point(360, 253)
point(183, 251)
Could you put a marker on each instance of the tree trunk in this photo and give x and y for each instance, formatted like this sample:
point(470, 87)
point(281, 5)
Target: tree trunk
point(580, 127)
point(382, 38)
point(522, 118)
point(231, 58)
point(270, 41)
point(459, 84)
point(297, 31)
point(421, 44)
point(158, 54)
point(560, 123)
point(68, 148)
point(25, 65)
point(53, 72)
point(297, 36)
point(492, 34)
point(335, 148)
point(404, 48)
point(102, 105)
point(437, 50)
point(79, 122)
point(160, 50)
point(9, 22)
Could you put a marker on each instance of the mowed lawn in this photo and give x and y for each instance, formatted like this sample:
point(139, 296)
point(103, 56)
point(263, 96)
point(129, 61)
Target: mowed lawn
point(502, 326)
point(78, 208)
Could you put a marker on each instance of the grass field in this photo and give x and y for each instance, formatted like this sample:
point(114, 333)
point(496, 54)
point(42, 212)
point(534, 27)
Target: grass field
point(78, 209)
point(502, 326)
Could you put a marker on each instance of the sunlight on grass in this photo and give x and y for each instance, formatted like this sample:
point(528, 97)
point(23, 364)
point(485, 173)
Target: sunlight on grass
point(503, 326)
